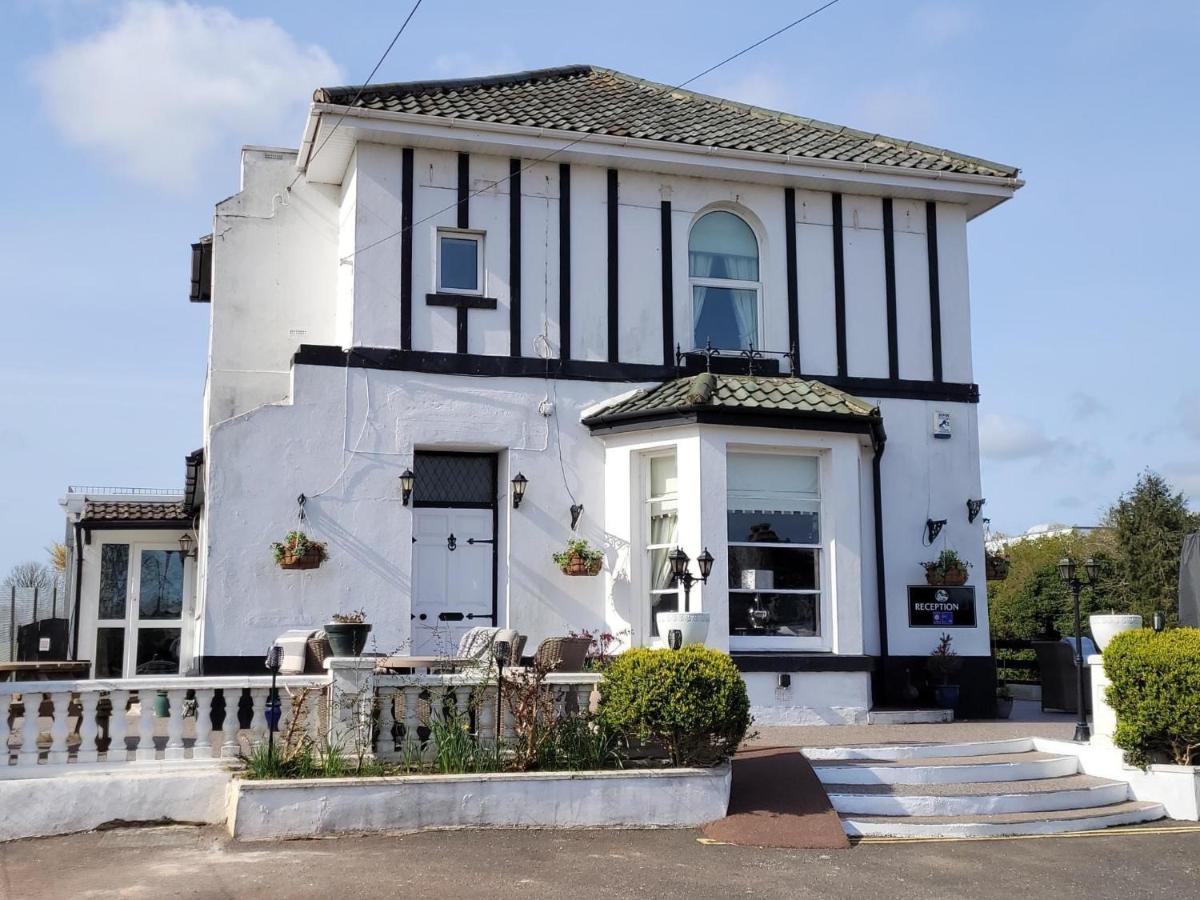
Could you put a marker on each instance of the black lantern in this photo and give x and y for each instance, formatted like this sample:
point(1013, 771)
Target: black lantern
point(518, 489)
point(1092, 568)
point(705, 562)
point(274, 663)
point(1066, 570)
point(185, 546)
point(1159, 621)
point(679, 562)
point(407, 480)
point(680, 574)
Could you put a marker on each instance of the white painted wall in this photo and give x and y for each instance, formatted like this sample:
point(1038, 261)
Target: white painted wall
point(814, 698)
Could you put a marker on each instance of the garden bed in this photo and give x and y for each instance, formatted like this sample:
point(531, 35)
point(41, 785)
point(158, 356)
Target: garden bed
point(635, 798)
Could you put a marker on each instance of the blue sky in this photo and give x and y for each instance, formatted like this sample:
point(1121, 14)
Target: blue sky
point(125, 119)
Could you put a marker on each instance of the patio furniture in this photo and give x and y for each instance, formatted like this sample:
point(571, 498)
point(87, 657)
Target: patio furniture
point(1056, 665)
point(409, 664)
point(563, 654)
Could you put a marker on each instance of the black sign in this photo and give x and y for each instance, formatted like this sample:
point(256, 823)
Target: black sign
point(940, 606)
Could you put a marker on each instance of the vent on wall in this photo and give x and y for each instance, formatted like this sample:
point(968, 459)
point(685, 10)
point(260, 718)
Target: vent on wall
point(202, 270)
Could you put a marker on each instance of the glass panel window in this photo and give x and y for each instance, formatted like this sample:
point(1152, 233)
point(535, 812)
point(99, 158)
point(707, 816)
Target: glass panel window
point(723, 268)
point(160, 593)
point(158, 651)
point(110, 651)
point(114, 580)
point(774, 518)
point(459, 258)
point(662, 534)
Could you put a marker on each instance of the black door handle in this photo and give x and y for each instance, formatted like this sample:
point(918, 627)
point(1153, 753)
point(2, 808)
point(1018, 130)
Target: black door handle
point(451, 616)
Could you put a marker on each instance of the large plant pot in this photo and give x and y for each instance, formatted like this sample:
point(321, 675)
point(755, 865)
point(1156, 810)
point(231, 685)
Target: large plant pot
point(693, 626)
point(1003, 707)
point(946, 695)
point(347, 638)
point(1106, 627)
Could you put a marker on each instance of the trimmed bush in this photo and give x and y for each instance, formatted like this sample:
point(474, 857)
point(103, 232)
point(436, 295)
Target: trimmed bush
point(692, 701)
point(1155, 691)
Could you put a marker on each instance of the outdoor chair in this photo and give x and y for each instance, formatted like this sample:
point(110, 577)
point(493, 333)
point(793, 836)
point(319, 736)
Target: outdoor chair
point(563, 654)
point(1056, 664)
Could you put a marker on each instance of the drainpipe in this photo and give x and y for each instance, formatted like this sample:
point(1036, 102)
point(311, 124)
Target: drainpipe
point(74, 654)
point(879, 439)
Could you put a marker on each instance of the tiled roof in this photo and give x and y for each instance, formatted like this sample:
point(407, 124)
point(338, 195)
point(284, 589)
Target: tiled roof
point(135, 511)
point(745, 393)
point(593, 100)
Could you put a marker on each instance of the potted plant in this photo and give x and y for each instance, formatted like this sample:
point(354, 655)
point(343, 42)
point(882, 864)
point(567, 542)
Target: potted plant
point(298, 551)
point(948, 569)
point(1004, 700)
point(943, 664)
point(997, 566)
point(347, 633)
point(580, 558)
point(1106, 627)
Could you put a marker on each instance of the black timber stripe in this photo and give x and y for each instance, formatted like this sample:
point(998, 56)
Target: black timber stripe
point(614, 324)
point(668, 286)
point(564, 260)
point(793, 284)
point(464, 190)
point(514, 257)
point(839, 286)
point(935, 290)
point(406, 247)
point(880, 562)
point(889, 279)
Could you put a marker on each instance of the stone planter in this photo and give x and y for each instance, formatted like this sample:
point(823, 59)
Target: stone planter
point(1004, 706)
point(693, 626)
point(1106, 627)
point(347, 638)
point(946, 695)
point(639, 798)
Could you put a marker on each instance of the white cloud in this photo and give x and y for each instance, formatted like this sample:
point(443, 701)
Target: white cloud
point(1003, 438)
point(164, 85)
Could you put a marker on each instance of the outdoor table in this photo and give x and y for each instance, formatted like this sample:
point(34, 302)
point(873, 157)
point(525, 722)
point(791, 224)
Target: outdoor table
point(427, 663)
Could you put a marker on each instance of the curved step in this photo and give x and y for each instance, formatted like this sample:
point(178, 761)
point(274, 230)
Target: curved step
point(954, 770)
point(1128, 813)
point(919, 750)
point(979, 798)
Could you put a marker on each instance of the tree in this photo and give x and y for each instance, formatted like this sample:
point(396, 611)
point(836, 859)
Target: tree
point(58, 558)
point(1148, 526)
point(30, 575)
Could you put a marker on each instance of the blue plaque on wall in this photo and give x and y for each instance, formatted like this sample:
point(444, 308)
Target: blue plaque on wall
point(941, 606)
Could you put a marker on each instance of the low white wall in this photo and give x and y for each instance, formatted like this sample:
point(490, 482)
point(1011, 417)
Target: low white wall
point(62, 803)
point(274, 810)
point(814, 698)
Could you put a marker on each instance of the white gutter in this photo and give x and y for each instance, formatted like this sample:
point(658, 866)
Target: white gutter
point(574, 138)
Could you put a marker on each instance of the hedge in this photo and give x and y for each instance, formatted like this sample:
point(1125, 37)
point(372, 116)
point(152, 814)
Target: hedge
point(1155, 691)
point(692, 701)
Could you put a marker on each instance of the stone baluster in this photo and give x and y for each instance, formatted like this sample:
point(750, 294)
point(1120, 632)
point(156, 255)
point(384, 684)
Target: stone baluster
point(259, 697)
point(386, 745)
point(59, 729)
point(29, 729)
point(88, 727)
point(202, 748)
point(485, 716)
point(118, 727)
point(145, 726)
point(174, 749)
point(412, 740)
point(5, 726)
point(230, 749)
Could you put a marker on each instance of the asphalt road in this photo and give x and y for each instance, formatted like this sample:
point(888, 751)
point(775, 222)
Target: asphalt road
point(182, 861)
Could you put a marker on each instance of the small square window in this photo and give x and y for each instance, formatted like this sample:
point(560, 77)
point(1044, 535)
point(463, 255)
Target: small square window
point(460, 263)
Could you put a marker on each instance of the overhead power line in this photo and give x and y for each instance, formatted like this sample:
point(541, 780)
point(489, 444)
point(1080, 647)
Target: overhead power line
point(579, 140)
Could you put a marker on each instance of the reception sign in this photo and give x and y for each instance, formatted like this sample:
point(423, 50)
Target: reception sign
point(941, 606)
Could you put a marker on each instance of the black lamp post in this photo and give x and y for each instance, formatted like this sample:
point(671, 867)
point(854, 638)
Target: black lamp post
point(501, 650)
point(1067, 572)
point(681, 574)
point(274, 663)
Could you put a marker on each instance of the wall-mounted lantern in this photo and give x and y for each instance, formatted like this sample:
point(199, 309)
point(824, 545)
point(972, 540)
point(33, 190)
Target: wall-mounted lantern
point(185, 546)
point(407, 480)
point(518, 489)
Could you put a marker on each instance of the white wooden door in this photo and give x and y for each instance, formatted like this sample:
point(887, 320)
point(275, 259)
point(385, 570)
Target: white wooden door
point(453, 576)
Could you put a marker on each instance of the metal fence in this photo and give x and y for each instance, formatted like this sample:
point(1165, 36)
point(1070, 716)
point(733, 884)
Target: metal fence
point(23, 606)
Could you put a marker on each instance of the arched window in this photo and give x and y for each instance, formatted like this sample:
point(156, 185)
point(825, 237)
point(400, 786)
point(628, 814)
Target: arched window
point(723, 269)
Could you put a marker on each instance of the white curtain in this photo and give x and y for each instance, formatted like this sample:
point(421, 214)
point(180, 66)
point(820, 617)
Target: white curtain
point(745, 310)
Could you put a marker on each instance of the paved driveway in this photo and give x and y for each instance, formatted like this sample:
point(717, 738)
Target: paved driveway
point(530, 865)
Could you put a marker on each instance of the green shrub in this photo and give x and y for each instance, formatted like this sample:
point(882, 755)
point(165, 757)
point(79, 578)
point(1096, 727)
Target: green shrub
point(1155, 691)
point(693, 701)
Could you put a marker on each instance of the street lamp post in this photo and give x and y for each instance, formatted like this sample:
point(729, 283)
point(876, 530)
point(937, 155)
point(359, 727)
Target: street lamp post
point(681, 574)
point(1067, 572)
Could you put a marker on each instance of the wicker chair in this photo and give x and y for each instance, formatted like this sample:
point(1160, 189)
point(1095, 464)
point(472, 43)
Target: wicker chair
point(563, 654)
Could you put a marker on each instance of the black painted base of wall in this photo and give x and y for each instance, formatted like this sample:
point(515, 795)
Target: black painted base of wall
point(903, 681)
point(233, 665)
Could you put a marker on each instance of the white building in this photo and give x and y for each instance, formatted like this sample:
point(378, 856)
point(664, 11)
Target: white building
point(480, 278)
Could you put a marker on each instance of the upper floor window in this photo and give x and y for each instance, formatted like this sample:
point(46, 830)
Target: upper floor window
point(460, 262)
point(723, 270)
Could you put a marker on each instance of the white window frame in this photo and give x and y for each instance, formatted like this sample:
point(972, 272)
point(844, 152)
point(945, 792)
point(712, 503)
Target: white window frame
point(646, 498)
point(480, 268)
point(729, 283)
point(132, 623)
point(823, 639)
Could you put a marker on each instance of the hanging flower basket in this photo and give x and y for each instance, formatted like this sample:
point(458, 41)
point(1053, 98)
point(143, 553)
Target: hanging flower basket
point(298, 551)
point(949, 569)
point(997, 567)
point(580, 559)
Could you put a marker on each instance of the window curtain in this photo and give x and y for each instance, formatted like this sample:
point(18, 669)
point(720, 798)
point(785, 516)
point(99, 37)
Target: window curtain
point(745, 311)
point(662, 532)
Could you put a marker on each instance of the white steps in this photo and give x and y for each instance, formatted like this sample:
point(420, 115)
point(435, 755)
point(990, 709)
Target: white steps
point(973, 789)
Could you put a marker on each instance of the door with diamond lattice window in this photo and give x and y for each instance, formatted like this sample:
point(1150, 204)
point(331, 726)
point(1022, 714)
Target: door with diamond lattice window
point(454, 548)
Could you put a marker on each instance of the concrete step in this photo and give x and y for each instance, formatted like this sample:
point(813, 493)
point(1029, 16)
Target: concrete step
point(909, 716)
point(976, 798)
point(919, 750)
point(1026, 766)
point(1128, 812)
